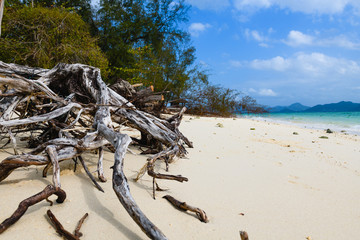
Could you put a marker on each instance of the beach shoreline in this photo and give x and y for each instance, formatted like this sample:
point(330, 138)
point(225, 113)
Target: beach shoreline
point(248, 175)
point(345, 122)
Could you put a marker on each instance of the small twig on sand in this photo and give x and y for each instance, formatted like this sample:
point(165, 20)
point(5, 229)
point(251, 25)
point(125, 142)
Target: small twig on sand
point(244, 235)
point(184, 207)
point(61, 230)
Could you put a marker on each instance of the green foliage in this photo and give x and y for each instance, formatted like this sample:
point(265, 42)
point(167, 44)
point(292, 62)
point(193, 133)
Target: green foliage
point(144, 67)
point(43, 37)
point(249, 105)
point(144, 44)
point(204, 98)
point(138, 40)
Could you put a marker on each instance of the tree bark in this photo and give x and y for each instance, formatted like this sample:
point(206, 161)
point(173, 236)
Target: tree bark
point(183, 206)
point(62, 231)
point(2, 3)
point(121, 186)
point(25, 204)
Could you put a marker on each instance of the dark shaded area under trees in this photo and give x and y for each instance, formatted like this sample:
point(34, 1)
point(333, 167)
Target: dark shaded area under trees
point(141, 41)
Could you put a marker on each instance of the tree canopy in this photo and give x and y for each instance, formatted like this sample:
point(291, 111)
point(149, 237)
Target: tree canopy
point(43, 37)
point(142, 41)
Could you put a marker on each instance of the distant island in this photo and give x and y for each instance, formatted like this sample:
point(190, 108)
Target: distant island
point(343, 106)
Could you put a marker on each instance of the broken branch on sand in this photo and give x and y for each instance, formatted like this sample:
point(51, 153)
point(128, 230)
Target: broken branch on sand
point(25, 204)
point(183, 206)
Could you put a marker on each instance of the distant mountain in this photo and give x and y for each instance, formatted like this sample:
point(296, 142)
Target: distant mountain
point(331, 107)
point(336, 107)
point(296, 107)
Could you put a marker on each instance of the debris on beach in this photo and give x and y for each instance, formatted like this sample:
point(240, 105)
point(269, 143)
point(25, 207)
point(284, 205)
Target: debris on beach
point(329, 131)
point(244, 235)
point(220, 125)
point(68, 111)
point(183, 206)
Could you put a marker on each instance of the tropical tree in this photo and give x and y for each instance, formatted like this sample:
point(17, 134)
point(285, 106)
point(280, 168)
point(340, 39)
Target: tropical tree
point(43, 37)
point(144, 43)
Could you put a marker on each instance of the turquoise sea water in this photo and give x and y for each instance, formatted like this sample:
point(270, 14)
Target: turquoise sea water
point(336, 121)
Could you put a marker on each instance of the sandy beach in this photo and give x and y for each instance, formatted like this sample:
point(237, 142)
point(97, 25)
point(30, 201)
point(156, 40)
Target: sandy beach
point(247, 175)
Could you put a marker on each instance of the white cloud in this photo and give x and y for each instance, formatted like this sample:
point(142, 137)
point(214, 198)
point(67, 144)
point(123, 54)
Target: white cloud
point(203, 64)
point(243, 4)
point(253, 34)
point(296, 38)
point(257, 36)
point(277, 63)
point(339, 41)
point(271, 30)
point(196, 28)
point(265, 92)
point(314, 64)
point(299, 39)
point(305, 6)
point(251, 90)
point(236, 64)
point(212, 5)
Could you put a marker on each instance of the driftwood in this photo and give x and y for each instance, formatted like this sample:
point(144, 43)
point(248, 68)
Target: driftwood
point(62, 231)
point(244, 235)
point(67, 111)
point(183, 206)
point(144, 99)
point(25, 204)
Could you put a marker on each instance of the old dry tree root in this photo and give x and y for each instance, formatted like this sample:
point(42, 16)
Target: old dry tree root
point(25, 204)
point(67, 111)
point(62, 231)
point(183, 206)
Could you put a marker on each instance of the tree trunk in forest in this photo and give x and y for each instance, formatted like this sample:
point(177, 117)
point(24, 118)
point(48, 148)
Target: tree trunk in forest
point(2, 3)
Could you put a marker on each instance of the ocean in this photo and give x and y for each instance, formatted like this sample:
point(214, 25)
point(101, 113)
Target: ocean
point(348, 122)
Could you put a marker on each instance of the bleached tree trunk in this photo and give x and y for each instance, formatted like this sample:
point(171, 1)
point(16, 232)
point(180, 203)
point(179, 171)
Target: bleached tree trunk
point(1, 12)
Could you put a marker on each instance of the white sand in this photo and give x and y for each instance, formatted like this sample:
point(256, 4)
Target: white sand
point(287, 186)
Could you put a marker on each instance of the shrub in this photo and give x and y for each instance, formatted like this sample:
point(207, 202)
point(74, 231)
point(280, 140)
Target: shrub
point(43, 37)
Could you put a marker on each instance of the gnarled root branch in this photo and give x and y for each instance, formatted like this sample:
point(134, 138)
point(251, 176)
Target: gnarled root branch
point(25, 204)
point(13, 162)
point(184, 207)
point(89, 174)
point(62, 231)
point(121, 186)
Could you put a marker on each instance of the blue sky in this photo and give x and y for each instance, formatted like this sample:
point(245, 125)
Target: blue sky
point(280, 51)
